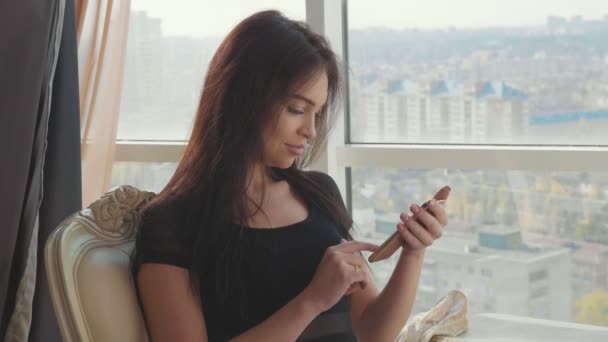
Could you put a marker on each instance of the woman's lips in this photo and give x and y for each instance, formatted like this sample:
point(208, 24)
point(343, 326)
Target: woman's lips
point(296, 149)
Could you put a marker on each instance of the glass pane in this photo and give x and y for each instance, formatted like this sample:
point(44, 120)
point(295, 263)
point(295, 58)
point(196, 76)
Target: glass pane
point(144, 176)
point(475, 72)
point(523, 243)
point(169, 48)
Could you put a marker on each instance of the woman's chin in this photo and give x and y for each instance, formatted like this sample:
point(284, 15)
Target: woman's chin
point(285, 164)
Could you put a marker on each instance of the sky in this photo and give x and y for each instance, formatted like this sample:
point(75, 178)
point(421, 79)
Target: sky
point(203, 18)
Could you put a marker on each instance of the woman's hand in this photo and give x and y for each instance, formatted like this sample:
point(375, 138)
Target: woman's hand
point(341, 271)
point(424, 226)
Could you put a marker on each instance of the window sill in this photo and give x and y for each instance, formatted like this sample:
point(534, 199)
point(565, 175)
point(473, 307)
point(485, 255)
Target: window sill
point(491, 327)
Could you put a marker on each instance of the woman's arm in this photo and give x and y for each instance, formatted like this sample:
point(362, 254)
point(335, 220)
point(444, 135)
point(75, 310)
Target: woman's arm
point(338, 270)
point(173, 311)
point(383, 316)
point(287, 324)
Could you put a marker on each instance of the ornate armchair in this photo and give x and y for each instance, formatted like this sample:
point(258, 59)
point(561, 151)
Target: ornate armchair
point(87, 259)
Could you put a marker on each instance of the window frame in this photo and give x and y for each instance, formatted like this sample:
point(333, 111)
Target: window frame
point(340, 155)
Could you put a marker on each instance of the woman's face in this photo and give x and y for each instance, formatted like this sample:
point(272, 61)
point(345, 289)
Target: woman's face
point(287, 140)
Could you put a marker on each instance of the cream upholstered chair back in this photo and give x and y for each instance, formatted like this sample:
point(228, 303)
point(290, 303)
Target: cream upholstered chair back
point(88, 264)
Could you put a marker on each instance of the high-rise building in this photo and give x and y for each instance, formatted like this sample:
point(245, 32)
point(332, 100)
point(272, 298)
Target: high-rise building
point(498, 273)
point(143, 82)
point(443, 111)
point(590, 263)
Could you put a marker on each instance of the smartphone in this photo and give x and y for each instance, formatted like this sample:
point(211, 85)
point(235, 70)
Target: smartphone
point(392, 244)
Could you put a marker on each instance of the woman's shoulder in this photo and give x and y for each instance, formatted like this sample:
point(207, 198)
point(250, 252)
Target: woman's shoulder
point(320, 178)
point(165, 219)
point(323, 181)
point(161, 235)
point(160, 211)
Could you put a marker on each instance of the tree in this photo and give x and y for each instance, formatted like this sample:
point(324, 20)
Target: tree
point(598, 226)
point(567, 224)
point(593, 308)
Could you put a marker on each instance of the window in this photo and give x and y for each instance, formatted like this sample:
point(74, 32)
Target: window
point(538, 275)
point(525, 96)
point(147, 176)
point(510, 111)
point(539, 292)
point(487, 273)
point(537, 78)
point(428, 279)
point(169, 48)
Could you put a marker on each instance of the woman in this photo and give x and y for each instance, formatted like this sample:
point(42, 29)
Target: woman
point(242, 244)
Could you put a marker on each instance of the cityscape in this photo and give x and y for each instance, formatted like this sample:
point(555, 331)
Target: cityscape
point(525, 243)
point(536, 85)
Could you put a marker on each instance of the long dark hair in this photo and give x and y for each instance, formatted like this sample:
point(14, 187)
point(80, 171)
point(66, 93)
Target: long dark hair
point(258, 65)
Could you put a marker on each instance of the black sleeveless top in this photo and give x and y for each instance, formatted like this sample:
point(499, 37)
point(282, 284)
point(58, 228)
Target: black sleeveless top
point(279, 264)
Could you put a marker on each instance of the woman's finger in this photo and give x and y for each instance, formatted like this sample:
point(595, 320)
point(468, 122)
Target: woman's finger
point(356, 261)
point(351, 289)
point(437, 210)
point(409, 238)
point(419, 231)
point(427, 221)
point(357, 275)
point(361, 285)
point(355, 246)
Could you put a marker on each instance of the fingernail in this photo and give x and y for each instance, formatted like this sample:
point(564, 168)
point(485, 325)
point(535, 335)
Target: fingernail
point(432, 203)
point(414, 208)
point(405, 217)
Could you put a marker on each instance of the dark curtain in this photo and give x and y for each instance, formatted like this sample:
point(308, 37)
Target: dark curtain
point(62, 180)
point(40, 181)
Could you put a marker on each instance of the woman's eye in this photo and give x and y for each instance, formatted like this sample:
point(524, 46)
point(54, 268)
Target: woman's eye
point(295, 110)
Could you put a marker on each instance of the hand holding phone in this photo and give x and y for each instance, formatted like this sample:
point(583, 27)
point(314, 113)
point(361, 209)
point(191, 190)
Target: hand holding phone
point(392, 244)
